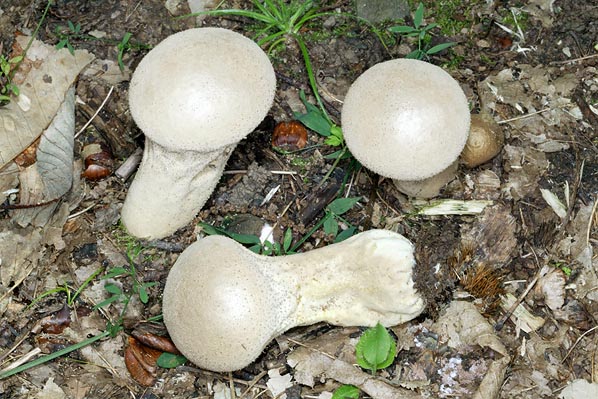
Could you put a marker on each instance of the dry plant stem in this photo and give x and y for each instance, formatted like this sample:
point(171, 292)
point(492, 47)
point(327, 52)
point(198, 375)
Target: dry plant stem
point(590, 222)
point(129, 165)
point(96, 113)
point(24, 359)
point(253, 383)
point(500, 324)
point(231, 385)
point(577, 341)
point(587, 57)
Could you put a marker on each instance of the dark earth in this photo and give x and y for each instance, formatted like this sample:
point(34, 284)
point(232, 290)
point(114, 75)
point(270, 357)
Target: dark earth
point(540, 85)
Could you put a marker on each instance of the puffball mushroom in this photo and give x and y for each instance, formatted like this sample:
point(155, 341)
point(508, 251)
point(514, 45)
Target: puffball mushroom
point(195, 96)
point(407, 120)
point(222, 303)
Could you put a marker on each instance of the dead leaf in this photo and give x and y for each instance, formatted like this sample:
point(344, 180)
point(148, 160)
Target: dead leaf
point(141, 362)
point(551, 287)
point(522, 317)
point(42, 91)
point(580, 389)
point(51, 391)
point(52, 175)
point(465, 326)
point(278, 383)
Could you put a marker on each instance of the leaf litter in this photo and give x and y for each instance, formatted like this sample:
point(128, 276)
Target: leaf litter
point(542, 216)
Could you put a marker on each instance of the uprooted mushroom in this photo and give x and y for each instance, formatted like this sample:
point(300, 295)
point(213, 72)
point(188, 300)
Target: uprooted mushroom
point(223, 303)
point(195, 96)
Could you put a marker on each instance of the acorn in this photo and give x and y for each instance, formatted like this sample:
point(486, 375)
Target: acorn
point(485, 140)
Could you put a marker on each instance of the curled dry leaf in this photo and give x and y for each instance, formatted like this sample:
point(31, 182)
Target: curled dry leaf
point(28, 156)
point(141, 362)
point(57, 322)
point(161, 343)
point(289, 136)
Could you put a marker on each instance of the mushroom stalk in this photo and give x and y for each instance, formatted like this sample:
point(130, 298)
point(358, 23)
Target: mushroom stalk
point(224, 303)
point(195, 96)
point(163, 199)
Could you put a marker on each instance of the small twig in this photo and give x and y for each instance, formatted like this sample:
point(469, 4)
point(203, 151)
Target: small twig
point(81, 212)
point(231, 385)
point(577, 341)
point(24, 359)
point(255, 380)
point(127, 168)
point(311, 348)
point(574, 59)
point(525, 116)
point(501, 323)
point(96, 113)
point(590, 222)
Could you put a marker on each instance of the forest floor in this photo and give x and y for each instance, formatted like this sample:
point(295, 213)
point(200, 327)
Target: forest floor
point(69, 271)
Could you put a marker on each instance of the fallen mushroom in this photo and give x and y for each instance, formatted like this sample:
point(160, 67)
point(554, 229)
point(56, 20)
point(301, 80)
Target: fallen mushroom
point(195, 96)
point(223, 303)
point(407, 120)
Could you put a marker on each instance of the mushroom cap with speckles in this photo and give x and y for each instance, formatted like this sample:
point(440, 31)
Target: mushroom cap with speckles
point(405, 119)
point(202, 89)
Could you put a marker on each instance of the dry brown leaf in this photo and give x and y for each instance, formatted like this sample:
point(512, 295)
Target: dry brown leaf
point(464, 326)
point(42, 91)
point(51, 176)
point(551, 287)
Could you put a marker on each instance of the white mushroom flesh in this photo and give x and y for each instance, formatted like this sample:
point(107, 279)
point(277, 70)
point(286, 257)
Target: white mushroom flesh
point(223, 303)
point(195, 95)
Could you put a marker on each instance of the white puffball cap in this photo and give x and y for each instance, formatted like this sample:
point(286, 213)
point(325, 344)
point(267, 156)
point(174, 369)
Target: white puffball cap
point(202, 89)
point(405, 119)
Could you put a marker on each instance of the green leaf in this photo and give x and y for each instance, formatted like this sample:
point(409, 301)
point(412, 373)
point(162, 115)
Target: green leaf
point(16, 60)
point(244, 238)
point(336, 136)
point(313, 119)
point(61, 44)
point(345, 154)
point(440, 47)
point(115, 271)
point(418, 17)
point(343, 235)
point(416, 55)
point(287, 240)
point(376, 349)
point(106, 302)
point(170, 360)
point(113, 289)
point(401, 29)
point(342, 205)
point(71, 25)
point(210, 230)
point(330, 226)
point(346, 392)
point(257, 248)
point(143, 296)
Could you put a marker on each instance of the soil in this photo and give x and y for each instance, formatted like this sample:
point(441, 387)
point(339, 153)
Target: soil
point(543, 89)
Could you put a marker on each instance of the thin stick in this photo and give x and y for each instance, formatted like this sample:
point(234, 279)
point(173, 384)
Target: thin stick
point(231, 384)
point(576, 342)
point(525, 116)
point(24, 359)
point(587, 57)
point(81, 212)
point(311, 349)
point(96, 113)
point(591, 220)
point(255, 380)
point(501, 323)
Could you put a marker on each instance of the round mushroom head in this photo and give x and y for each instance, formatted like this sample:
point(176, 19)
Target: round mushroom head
point(219, 309)
point(405, 119)
point(202, 89)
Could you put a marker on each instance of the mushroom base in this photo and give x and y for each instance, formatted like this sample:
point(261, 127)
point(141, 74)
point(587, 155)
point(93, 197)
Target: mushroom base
point(430, 187)
point(170, 188)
